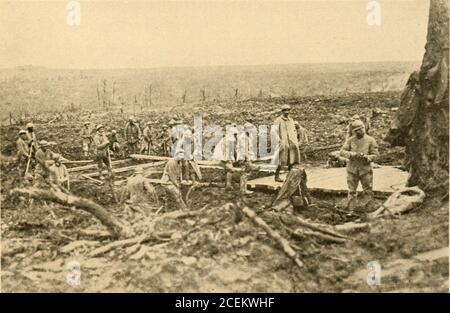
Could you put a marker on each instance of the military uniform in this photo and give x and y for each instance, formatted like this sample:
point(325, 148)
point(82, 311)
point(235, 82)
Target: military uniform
point(23, 151)
point(172, 176)
point(101, 145)
point(86, 135)
point(132, 136)
point(360, 152)
point(147, 140)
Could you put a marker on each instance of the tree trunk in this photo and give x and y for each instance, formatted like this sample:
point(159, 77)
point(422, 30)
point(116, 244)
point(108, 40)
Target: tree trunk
point(421, 123)
point(115, 226)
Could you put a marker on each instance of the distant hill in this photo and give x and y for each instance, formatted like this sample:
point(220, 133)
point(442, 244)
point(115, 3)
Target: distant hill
point(35, 89)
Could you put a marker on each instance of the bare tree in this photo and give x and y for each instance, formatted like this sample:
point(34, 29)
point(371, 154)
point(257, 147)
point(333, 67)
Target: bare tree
point(421, 123)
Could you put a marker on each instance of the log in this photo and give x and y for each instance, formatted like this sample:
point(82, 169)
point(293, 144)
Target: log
point(284, 243)
point(116, 244)
point(297, 220)
point(92, 166)
point(128, 168)
point(114, 225)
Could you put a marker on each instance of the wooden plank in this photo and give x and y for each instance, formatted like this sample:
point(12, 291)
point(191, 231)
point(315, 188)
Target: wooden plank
point(387, 179)
point(129, 168)
point(93, 166)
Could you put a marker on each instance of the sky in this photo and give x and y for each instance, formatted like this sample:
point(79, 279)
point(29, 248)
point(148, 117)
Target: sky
point(147, 34)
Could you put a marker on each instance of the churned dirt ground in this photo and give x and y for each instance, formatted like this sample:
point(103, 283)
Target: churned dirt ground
point(218, 249)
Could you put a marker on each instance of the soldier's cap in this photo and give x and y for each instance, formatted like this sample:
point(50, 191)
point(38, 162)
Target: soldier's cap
point(44, 143)
point(22, 132)
point(56, 157)
point(113, 131)
point(357, 125)
point(131, 118)
point(149, 123)
point(356, 117)
point(87, 123)
point(286, 107)
point(164, 126)
point(30, 125)
point(99, 126)
point(139, 170)
point(172, 122)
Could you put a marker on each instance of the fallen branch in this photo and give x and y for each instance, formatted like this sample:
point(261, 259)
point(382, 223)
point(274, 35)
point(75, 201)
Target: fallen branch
point(114, 225)
point(284, 243)
point(128, 168)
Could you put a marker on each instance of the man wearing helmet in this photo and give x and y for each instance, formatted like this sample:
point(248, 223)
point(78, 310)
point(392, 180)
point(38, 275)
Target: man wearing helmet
point(132, 135)
point(147, 139)
point(360, 149)
point(58, 172)
point(101, 146)
point(23, 152)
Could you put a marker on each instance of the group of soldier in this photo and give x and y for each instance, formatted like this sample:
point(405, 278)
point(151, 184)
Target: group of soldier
point(359, 151)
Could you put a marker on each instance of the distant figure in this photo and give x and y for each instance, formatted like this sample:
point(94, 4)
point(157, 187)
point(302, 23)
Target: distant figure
point(31, 137)
point(289, 153)
point(86, 136)
point(101, 145)
point(23, 153)
point(147, 141)
point(132, 135)
point(360, 150)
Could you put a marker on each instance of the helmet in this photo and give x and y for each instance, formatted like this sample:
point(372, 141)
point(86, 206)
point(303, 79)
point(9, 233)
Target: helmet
point(44, 143)
point(357, 125)
point(99, 126)
point(113, 131)
point(131, 118)
point(87, 123)
point(56, 157)
point(21, 132)
point(286, 107)
point(149, 123)
point(30, 125)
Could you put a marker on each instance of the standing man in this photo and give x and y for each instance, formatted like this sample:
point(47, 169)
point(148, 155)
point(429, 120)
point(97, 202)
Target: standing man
point(147, 139)
point(86, 136)
point(289, 153)
point(166, 140)
point(101, 148)
point(23, 153)
point(361, 150)
point(31, 137)
point(132, 136)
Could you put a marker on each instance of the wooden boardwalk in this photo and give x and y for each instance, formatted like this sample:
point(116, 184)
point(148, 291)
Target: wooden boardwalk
point(386, 180)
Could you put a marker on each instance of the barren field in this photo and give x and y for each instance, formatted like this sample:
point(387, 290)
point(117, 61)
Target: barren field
point(216, 248)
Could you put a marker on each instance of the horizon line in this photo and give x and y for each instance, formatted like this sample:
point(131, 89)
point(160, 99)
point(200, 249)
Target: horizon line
point(203, 66)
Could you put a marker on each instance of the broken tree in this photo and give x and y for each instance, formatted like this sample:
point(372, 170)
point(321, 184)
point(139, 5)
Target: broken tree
point(421, 123)
point(114, 225)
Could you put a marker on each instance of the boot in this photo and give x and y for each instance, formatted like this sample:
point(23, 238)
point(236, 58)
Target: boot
point(228, 182)
point(277, 176)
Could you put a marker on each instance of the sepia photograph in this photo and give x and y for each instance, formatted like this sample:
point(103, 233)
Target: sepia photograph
point(224, 147)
